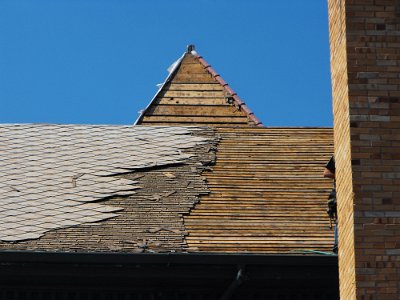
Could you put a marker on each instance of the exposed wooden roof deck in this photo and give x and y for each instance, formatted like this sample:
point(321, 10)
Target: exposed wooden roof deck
point(267, 190)
point(264, 194)
point(267, 193)
point(194, 94)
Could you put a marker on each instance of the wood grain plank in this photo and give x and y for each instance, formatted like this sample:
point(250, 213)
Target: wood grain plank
point(194, 110)
point(192, 69)
point(267, 193)
point(194, 87)
point(192, 94)
point(195, 119)
point(196, 101)
point(193, 78)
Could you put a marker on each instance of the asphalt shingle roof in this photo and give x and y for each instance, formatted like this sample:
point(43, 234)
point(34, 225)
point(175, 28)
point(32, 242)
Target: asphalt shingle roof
point(53, 176)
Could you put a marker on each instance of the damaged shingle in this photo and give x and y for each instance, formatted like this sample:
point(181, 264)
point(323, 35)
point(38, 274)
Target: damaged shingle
point(53, 176)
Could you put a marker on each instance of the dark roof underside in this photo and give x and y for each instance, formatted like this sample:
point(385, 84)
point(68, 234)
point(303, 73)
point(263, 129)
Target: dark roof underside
point(166, 276)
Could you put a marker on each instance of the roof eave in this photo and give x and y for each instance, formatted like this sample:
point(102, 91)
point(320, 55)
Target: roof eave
point(162, 258)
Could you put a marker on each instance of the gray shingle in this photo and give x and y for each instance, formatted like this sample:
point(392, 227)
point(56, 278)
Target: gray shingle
point(52, 174)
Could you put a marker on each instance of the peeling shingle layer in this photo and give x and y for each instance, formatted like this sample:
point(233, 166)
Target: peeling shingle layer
point(51, 176)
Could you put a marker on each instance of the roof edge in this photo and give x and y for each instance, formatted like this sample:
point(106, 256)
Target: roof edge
point(172, 70)
point(162, 258)
point(228, 90)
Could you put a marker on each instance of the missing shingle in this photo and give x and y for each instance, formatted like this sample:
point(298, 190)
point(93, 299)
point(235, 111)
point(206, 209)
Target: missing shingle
point(105, 171)
point(169, 175)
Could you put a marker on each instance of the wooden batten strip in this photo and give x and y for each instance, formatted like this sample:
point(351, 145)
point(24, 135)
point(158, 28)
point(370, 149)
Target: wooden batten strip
point(192, 94)
point(195, 101)
point(193, 110)
point(267, 193)
point(194, 87)
point(195, 119)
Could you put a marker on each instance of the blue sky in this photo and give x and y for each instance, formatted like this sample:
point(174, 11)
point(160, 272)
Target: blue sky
point(98, 61)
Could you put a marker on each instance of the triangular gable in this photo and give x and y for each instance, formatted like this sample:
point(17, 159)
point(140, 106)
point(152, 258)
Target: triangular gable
point(194, 94)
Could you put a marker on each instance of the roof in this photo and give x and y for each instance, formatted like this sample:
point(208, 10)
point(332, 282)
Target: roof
point(59, 176)
point(267, 193)
point(163, 189)
point(194, 93)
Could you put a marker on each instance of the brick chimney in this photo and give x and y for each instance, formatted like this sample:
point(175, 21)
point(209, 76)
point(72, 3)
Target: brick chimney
point(365, 66)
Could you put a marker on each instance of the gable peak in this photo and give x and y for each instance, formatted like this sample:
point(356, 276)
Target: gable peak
point(194, 93)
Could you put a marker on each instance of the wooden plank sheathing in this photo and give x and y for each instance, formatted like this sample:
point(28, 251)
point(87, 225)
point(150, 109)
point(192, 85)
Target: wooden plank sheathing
point(197, 120)
point(193, 96)
point(194, 110)
point(267, 193)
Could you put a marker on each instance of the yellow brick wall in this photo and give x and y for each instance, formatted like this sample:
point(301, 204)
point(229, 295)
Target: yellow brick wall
point(337, 28)
point(365, 62)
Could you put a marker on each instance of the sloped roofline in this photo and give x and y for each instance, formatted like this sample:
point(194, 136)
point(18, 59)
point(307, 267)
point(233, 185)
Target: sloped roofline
point(228, 90)
point(172, 70)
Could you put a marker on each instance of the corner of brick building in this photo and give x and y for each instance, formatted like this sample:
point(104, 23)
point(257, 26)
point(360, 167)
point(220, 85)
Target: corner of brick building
point(365, 66)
